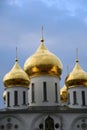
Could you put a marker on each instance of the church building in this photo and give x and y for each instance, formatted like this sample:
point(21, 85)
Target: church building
point(34, 99)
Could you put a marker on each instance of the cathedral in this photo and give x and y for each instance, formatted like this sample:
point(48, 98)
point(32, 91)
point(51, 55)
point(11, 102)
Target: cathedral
point(34, 99)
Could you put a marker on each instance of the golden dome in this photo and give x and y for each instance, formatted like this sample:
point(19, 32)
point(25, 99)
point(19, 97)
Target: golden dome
point(4, 95)
point(16, 77)
point(63, 93)
point(78, 77)
point(43, 62)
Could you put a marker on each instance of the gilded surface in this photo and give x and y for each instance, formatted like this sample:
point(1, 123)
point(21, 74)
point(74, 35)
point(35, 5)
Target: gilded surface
point(77, 77)
point(43, 62)
point(64, 94)
point(4, 95)
point(16, 77)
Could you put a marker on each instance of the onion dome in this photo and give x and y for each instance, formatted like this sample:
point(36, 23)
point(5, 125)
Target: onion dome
point(43, 62)
point(16, 77)
point(64, 93)
point(78, 77)
point(4, 95)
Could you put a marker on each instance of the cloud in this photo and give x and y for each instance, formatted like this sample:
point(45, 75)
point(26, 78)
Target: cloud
point(71, 7)
point(18, 24)
point(15, 2)
point(66, 7)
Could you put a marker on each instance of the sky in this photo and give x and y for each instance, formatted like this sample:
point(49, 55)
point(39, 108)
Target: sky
point(65, 29)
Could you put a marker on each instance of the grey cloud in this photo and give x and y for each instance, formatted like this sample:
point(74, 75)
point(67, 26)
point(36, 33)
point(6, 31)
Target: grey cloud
point(71, 7)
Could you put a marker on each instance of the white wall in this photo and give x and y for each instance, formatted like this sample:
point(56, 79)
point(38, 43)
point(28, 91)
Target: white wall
point(20, 97)
point(50, 81)
point(31, 121)
point(78, 90)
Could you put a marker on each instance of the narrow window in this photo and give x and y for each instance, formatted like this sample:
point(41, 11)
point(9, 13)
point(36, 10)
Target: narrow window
point(74, 98)
point(56, 93)
point(83, 98)
point(8, 99)
point(24, 98)
point(15, 98)
point(33, 93)
point(44, 91)
point(68, 98)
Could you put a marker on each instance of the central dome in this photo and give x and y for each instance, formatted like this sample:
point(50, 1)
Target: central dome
point(43, 62)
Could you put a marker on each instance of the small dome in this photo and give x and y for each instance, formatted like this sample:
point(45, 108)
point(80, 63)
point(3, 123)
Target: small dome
point(78, 77)
point(63, 93)
point(16, 77)
point(43, 62)
point(4, 96)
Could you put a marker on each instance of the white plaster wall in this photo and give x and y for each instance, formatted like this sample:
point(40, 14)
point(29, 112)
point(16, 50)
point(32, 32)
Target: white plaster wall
point(11, 122)
point(69, 121)
point(64, 103)
point(78, 90)
point(31, 121)
point(20, 97)
point(38, 81)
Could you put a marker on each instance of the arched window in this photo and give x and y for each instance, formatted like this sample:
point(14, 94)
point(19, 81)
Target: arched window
point(74, 98)
point(56, 93)
point(8, 99)
point(83, 98)
point(24, 98)
point(44, 91)
point(68, 98)
point(49, 123)
point(15, 98)
point(33, 93)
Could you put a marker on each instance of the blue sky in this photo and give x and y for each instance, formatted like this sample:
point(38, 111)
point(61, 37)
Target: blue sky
point(65, 29)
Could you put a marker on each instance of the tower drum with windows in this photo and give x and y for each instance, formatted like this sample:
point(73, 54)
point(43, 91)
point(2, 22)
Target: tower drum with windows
point(44, 70)
point(76, 83)
point(16, 84)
